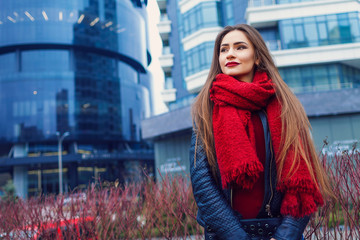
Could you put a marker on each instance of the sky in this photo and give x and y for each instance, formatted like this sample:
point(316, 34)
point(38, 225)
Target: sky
point(155, 48)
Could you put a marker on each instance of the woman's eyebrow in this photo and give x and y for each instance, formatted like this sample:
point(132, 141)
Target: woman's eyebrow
point(236, 43)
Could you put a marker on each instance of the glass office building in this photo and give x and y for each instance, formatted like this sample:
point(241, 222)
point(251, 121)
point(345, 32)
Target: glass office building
point(78, 67)
point(315, 45)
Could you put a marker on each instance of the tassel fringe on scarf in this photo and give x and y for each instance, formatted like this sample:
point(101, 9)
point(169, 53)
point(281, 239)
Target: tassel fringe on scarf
point(234, 101)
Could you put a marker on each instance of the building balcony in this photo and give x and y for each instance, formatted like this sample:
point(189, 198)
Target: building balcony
point(261, 3)
point(273, 45)
point(186, 5)
point(199, 37)
point(345, 53)
point(164, 27)
point(195, 82)
point(162, 4)
point(269, 15)
point(166, 50)
point(166, 62)
point(168, 95)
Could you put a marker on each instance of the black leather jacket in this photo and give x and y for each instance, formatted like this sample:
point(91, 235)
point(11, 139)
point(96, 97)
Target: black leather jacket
point(215, 213)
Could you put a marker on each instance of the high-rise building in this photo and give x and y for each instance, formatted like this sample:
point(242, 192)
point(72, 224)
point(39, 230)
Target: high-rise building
point(73, 73)
point(315, 44)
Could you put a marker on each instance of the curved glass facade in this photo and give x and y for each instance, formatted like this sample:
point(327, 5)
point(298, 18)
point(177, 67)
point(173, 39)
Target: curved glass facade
point(76, 66)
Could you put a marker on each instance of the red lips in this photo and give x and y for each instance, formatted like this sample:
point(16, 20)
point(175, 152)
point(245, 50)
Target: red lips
point(231, 64)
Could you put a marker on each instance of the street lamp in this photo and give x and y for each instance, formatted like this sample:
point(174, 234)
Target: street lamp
point(60, 140)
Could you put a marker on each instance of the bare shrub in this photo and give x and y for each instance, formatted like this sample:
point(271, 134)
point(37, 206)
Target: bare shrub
point(340, 219)
point(166, 209)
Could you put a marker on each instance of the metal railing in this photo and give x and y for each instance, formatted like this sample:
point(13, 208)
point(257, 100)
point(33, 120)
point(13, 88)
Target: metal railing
point(261, 3)
point(166, 50)
point(322, 87)
point(273, 45)
point(164, 17)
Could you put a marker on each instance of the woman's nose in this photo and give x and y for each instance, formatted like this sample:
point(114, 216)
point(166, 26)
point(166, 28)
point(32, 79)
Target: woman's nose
point(230, 53)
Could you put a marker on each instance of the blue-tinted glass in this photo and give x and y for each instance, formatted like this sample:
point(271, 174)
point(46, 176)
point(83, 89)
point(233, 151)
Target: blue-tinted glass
point(293, 79)
point(355, 29)
point(323, 33)
point(45, 60)
point(186, 25)
point(59, 21)
point(332, 17)
point(344, 29)
point(288, 36)
point(229, 12)
point(210, 14)
point(353, 15)
point(82, 75)
point(202, 15)
point(342, 16)
point(320, 30)
point(335, 83)
point(311, 34)
point(270, 36)
point(286, 22)
point(320, 18)
point(197, 60)
point(320, 77)
point(255, 3)
point(199, 17)
point(7, 63)
point(203, 55)
point(189, 64)
point(209, 53)
point(334, 32)
point(192, 20)
point(309, 20)
point(299, 32)
point(297, 20)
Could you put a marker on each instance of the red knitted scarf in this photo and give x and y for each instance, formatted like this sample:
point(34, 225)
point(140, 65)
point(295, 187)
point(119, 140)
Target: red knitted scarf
point(234, 101)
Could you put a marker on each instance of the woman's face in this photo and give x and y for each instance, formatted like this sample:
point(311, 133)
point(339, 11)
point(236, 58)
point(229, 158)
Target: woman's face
point(237, 56)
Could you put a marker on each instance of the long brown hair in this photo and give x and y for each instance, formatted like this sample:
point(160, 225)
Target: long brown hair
point(294, 119)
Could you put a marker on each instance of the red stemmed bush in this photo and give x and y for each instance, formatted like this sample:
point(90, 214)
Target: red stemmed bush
point(142, 210)
point(340, 219)
point(164, 209)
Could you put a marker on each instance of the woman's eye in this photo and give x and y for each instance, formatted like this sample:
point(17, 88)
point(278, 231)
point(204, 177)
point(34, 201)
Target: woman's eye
point(223, 50)
point(241, 47)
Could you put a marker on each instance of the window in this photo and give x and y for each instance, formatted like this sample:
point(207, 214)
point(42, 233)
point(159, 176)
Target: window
point(203, 15)
point(320, 30)
point(229, 12)
point(45, 60)
point(323, 77)
point(8, 63)
point(198, 58)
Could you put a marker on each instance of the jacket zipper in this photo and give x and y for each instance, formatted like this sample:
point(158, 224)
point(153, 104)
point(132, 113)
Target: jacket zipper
point(267, 206)
point(267, 209)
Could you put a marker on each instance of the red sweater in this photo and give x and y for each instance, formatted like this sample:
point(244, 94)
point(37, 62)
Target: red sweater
point(248, 202)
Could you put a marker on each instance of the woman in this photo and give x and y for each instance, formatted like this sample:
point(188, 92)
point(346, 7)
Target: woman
point(254, 169)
